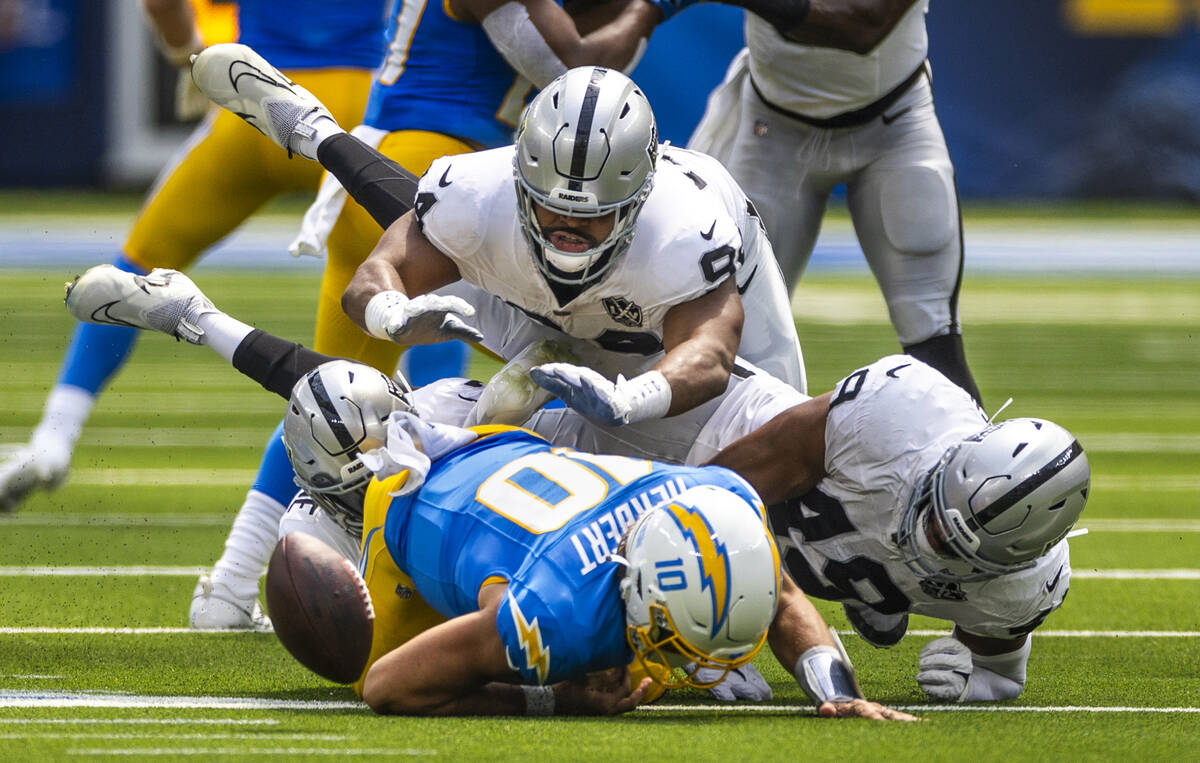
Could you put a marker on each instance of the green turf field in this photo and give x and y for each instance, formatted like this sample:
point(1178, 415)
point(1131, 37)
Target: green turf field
point(1115, 674)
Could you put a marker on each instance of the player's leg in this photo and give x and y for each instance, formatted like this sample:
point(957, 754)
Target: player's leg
point(783, 165)
point(904, 205)
point(211, 186)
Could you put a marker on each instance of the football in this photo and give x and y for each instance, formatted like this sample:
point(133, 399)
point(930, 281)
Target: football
point(320, 607)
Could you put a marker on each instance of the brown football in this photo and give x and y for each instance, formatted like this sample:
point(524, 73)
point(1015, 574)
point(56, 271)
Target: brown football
point(320, 607)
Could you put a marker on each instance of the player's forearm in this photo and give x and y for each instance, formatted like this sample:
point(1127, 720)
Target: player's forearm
point(797, 626)
point(697, 371)
point(619, 43)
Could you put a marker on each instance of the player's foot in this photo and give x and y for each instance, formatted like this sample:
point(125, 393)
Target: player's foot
point(27, 470)
point(238, 79)
point(510, 396)
point(163, 300)
point(877, 629)
point(215, 608)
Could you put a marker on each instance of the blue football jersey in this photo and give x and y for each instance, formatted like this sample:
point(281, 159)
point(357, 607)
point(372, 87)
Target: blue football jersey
point(511, 507)
point(315, 34)
point(445, 76)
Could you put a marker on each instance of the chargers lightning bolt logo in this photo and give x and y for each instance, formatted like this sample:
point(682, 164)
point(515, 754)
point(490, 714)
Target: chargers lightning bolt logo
point(530, 638)
point(714, 561)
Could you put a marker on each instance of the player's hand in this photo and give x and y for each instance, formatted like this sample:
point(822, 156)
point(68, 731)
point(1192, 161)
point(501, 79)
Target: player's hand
point(430, 318)
point(741, 683)
point(861, 708)
point(603, 693)
point(584, 390)
point(670, 7)
point(944, 668)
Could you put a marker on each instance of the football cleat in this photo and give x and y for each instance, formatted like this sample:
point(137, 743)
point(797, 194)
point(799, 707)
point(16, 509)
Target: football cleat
point(163, 300)
point(877, 629)
point(27, 470)
point(236, 78)
point(215, 608)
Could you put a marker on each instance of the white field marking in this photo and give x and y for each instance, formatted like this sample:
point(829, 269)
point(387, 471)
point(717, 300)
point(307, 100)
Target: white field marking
point(171, 735)
point(117, 520)
point(143, 721)
point(173, 476)
point(106, 631)
point(31, 677)
point(242, 751)
point(809, 710)
point(1173, 484)
point(23, 698)
point(159, 437)
point(1143, 525)
point(1065, 634)
point(124, 572)
point(1124, 442)
point(1135, 574)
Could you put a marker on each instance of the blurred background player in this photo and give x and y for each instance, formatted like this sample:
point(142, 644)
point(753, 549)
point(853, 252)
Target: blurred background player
point(844, 97)
point(455, 79)
point(223, 174)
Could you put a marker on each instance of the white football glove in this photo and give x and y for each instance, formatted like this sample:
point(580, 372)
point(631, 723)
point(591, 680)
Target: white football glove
point(945, 667)
point(190, 102)
point(741, 683)
point(427, 319)
point(510, 396)
point(611, 404)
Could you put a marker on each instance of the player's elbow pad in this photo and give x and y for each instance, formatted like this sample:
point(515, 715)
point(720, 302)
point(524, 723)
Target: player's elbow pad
point(998, 676)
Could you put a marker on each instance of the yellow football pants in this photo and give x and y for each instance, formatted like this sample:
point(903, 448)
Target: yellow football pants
point(227, 171)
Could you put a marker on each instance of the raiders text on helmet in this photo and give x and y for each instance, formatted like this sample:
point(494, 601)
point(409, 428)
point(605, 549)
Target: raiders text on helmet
point(996, 502)
point(586, 147)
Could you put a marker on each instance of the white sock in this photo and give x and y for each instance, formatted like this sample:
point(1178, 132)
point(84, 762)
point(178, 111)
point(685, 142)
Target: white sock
point(67, 408)
point(222, 333)
point(321, 126)
point(248, 548)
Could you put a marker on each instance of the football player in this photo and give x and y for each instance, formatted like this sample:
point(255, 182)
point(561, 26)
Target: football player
point(455, 78)
point(566, 563)
point(221, 176)
point(898, 495)
point(843, 97)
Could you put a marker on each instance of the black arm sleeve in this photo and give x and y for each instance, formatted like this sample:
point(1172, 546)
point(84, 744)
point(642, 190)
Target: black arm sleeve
point(383, 188)
point(275, 363)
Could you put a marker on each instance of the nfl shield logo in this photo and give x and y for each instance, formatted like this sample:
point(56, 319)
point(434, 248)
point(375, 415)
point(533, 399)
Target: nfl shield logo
point(623, 311)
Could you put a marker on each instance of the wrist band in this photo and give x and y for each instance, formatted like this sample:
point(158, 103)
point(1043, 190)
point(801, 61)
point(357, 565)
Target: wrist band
point(539, 700)
point(378, 309)
point(649, 396)
point(825, 676)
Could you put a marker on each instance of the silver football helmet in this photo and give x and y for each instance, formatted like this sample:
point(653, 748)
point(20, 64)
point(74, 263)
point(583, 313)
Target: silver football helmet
point(338, 410)
point(995, 502)
point(702, 586)
point(586, 147)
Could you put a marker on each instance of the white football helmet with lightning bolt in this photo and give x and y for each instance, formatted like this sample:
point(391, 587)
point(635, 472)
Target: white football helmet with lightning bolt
point(702, 586)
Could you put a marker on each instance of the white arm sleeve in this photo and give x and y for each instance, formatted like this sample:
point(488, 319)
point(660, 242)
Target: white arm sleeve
point(522, 45)
point(998, 676)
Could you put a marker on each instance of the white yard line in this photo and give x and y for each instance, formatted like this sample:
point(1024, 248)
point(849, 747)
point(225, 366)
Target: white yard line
point(242, 752)
point(140, 721)
point(34, 698)
point(808, 710)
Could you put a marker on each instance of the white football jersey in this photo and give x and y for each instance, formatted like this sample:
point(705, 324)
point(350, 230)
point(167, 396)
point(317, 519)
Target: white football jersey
point(688, 240)
point(888, 424)
point(823, 82)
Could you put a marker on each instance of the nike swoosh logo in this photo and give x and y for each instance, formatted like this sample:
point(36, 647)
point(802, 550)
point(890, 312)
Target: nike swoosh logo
point(442, 181)
point(1051, 585)
point(101, 315)
point(742, 288)
point(892, 371)
point(248, 71)
point(708, 236)
point(889, 118)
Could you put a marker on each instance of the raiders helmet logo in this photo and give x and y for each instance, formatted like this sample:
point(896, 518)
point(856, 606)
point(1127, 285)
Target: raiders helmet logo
point(623, 311)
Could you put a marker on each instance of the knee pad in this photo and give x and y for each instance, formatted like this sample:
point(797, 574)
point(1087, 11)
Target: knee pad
point(919, 208)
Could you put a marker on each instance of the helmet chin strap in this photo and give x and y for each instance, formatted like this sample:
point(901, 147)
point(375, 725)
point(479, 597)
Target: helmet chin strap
point(1000, 410)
